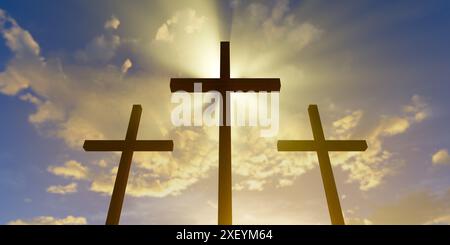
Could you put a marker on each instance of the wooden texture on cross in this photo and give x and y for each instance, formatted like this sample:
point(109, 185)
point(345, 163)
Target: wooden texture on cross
point(223, 85)
point(127, 147)
point(322, 147)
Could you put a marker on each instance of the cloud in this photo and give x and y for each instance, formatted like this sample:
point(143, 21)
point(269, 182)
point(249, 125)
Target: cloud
point(182, 22)
point(418, 109)
point(70, 169)
point(348, 122)
point(370, 167)
point(186, 33)
point(101, 49)
point(163, 34)
point(49, 220)
point(442, 220)
point(421, 207)
point(46, 112)
point(394, 126)
point(440, 157)
point(357, 221)
point(17, 39)
point(161, 174)
point(63, 189)
point(251, 185)
point(22, 44)
point(127, 64)
point(276, 24)
point(12, 81)
point(112, 23)
point(257, 162)
point(277, 34)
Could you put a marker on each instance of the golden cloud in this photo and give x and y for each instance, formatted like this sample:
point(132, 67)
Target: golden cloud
point(415, 208)
point(440, 157)
point(63, 189)
point(70, 169)
point(49, 220)
point(17, 39)
point(348, 122)
point(112, 23)
point(162, 174)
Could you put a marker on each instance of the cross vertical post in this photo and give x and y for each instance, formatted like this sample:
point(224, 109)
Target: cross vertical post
point(225, 177)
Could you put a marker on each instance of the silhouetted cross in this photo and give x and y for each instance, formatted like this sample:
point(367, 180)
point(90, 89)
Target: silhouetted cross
point(322, 147)
point(127, 147)
point(223, 85)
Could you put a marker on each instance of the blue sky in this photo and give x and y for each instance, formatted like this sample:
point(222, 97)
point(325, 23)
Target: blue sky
point(379, 70)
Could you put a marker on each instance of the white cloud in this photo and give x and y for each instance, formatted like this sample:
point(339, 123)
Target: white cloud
point(22, 44)
point(17, 39)
point(440, 157)
point(112, 23)
point(12, 81)
point(348, 122)
point(251, 185)
point(418, 109)
point(70, 169)
point(357, 221)
point(285, 182)
point(441, 220)
point(63, 189)
point(46, 111)
point(49, 220)
point(102, 163)
point(163, 34)
point(127, 64)
point(181, 23)
point(395, 125)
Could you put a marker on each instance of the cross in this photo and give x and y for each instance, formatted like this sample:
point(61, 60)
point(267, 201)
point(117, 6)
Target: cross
point(223, 85)
point(322, 147)
point(127, 147)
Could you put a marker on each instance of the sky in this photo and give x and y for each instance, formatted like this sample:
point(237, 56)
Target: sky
point(71, 70)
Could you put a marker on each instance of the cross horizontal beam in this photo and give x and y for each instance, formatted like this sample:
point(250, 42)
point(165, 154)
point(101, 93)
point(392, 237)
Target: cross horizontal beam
point(329, 145)
point(122, 145)
point(229, 84)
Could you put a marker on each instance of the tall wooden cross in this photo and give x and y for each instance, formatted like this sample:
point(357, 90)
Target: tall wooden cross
point(322, 147)
point(127, 147)
point(223, 85)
